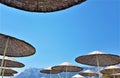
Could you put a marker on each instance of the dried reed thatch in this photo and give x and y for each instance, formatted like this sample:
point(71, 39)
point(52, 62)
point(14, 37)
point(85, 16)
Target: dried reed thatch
point(15, 47)
point(111, 70)
point(117, 75)
point(89, 73)
point(100, 58)
point(67, 67)
point(7, 74)
point(50, 71)
point(10, 62)
point(8, 71)
point(41, 5)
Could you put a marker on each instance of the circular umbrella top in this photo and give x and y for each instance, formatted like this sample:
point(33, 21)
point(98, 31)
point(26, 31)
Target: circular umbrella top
point(16, 47)
point(67, 67)
point(78, 76)
point(66, 64)
point(8, 70)
point(88, 73)
point(113, 67)
point(41, 5)
point(97, 56)
point(96, 52)
point(50, 71)
point(10, 62)
point(111, 70)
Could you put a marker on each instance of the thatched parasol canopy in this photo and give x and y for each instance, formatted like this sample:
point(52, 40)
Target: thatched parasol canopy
point(7, 74)
point(67, 67)
point(50, 71)
point(111, 70)
point(8, 71)
point(10, 62)
point(97, 57)
point(88, 73)
point(15, 47)
point(41, 5)
point(117, 75)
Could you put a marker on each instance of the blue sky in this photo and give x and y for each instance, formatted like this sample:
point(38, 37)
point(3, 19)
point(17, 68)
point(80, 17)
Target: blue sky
point(64, 35)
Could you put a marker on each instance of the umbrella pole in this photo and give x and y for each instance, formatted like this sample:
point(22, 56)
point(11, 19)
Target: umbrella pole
point(97, 59)
point(113, 73)
point(66, 72)
point(5, 50)
point(3, 70)
point(50, 74)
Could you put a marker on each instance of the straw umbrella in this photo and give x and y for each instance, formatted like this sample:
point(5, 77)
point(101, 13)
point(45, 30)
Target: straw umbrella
point(88, 73)
point(78, 76)
point(111, 70)
point(98, 58)
point(13, 47)
point(67, 67)
point(50, 71)
point(8, 72)
point(41, 5)
point(11, 62)
point(117, 75)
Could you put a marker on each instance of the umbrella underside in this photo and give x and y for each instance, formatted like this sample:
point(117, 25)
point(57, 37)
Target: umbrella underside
point(9, 63)
point(7, 74)
point(89, 74)
point(50, 71)
point(103, 59)
point(41, 5)
point(68, 68)
point(15, 47)
point(9, 71)
point(110, 71)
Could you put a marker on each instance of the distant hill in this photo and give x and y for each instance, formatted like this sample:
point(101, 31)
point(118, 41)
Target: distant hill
point(35, 73)
point(30, 73)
